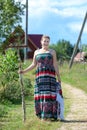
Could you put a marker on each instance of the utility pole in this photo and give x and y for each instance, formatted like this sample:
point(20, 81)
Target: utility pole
point(25, 57)
point(79, 38)
point(26, 31)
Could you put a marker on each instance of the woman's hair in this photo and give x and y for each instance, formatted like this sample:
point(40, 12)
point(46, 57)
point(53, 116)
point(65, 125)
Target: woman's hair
point(45, 36)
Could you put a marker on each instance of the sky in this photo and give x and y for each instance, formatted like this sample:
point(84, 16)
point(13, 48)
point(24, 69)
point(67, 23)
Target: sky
point(60, 19)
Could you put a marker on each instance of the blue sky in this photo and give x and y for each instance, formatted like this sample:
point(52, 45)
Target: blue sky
point(60, 19)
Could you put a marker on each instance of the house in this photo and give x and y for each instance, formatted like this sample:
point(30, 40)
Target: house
point(17, 40)
point(33, 43)
point(80, 56)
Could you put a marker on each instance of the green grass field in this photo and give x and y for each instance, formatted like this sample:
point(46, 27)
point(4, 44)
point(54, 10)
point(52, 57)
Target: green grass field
point(76, 76)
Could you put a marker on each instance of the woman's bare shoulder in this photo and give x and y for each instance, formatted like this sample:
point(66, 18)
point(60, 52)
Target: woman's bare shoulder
point(37, 51)
point(52, 51)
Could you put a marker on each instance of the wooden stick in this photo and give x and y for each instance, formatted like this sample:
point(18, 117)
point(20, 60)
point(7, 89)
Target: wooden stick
point(22, 95)
point(22, 90)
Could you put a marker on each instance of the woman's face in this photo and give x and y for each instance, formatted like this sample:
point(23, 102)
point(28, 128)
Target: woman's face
point(45, 42)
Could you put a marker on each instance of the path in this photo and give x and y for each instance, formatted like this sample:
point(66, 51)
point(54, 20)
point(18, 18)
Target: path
point(77, 118)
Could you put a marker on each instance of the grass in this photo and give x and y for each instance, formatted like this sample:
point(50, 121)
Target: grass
point(13, 120)
point(75, 76)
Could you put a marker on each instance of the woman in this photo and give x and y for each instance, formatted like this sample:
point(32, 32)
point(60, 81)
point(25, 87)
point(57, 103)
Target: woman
point(44, 60)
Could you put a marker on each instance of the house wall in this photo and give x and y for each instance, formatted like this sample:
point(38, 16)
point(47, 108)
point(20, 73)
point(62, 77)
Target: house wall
point(30, 50)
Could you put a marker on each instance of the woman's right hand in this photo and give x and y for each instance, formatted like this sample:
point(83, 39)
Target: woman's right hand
point(20, 72)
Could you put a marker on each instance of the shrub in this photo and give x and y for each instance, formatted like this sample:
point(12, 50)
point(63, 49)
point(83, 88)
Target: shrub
point(3, 110)
point(12, 91)
point(9, 85)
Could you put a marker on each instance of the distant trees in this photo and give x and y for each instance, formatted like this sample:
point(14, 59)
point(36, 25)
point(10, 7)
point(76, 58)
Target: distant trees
point(63, 49)
point(84, 48)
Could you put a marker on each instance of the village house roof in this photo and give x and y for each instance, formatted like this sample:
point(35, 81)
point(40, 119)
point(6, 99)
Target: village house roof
point(79, 56)
point(35, 39)
point(32, 44)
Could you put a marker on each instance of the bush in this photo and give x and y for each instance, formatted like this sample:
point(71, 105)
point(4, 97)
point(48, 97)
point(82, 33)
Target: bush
point(12, 91)
point(9, 85)
point(3, 110)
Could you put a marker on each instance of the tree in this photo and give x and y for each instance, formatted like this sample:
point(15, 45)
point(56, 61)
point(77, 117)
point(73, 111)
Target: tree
point(14, 38)
point(63, 49)
point(84, 48)
point(10, 16)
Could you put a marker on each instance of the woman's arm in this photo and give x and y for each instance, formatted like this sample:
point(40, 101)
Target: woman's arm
point(56, 66)
point(33, 65)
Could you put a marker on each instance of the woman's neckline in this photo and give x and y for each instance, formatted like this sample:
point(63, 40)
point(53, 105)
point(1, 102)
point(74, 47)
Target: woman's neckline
point(44, 53)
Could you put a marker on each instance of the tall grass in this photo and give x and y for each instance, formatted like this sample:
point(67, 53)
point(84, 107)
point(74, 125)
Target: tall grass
point(76, 76)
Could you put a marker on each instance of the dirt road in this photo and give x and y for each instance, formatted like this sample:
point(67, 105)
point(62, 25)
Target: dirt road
point(77, 118)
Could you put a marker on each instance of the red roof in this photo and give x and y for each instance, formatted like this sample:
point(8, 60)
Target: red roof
point(35, 38)
point(80, 56)
point(33, 41)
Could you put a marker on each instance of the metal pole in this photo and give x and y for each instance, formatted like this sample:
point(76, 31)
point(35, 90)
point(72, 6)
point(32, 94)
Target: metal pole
point(26, 31)
point(76, 46)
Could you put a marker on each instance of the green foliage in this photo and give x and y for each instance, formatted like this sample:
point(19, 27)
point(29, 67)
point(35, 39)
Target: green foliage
point(63, 49)
point(10, 15)
point(9, 78)
point(12, 91)
point(3, 110)
point(85, 57)
point(8, 67)
point(15, 38)
point(84, 48)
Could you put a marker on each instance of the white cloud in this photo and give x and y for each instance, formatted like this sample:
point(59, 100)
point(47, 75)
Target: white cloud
point(76, 27)
point(56, 2)
point(68, 3)
point(56, 16)
point(64, 8)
